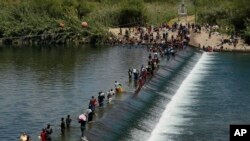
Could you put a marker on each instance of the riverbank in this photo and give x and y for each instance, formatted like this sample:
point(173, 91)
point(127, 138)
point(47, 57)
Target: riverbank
point(25, 22)
point(215, 42)
point(55, 38)
point(199, 40)
point(119, 36)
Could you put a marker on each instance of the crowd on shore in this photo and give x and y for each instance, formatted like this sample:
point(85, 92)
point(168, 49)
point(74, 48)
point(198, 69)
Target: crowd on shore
point(209, 39)
point(162, 47)
point(206, 37)
point(153, 35)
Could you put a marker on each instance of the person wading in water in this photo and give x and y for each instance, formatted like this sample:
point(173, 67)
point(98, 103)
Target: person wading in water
point(62, 126)
point(68, 121)
point(49, 132)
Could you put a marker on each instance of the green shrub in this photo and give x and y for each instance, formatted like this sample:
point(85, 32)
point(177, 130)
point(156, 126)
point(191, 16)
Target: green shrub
point(52, 7)
point(168, 1)
point(246, 33)
point(83, 8)
point(132, 13)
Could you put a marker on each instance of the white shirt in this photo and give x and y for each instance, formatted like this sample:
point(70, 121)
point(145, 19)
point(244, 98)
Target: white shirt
point(112, 92)
point(116, 84)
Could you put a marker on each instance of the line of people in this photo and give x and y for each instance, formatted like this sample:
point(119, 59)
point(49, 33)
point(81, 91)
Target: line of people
point(46, 133)
point(93, 103)
point(140, 76)
point(167, 48)
point(87, 116)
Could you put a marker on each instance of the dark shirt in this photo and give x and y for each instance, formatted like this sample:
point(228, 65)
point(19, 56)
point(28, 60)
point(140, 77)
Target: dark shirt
point(101, 98)
point(49, 131)
point(62, 125)
point(83, 123)
point(68, 121)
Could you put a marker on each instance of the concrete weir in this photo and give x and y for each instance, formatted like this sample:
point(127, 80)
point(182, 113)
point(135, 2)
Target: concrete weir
point(128, 115)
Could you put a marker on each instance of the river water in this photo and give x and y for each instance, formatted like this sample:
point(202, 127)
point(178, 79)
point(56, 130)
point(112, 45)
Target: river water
point(39, 85)
point(214, 95)
point(194, 96)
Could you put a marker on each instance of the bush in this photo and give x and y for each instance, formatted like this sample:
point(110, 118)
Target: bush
point(1, 32)
point(83, 8)
point(246, 33)
point(169, 1)
point(133, 13)
point(52, 7)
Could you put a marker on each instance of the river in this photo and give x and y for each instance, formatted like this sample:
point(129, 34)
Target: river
point(194, 96)
point(39, 85)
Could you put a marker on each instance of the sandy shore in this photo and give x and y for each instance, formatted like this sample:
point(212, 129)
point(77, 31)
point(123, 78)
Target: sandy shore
point(215, 41)
point(116, 31)
point(198, 39)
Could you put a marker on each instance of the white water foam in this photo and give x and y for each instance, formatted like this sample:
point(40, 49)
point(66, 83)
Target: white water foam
point(173, 117)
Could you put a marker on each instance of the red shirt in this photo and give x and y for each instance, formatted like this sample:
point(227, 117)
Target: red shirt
point(93, 102)
point(43, 136)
